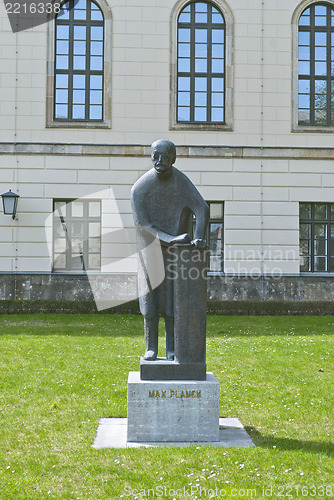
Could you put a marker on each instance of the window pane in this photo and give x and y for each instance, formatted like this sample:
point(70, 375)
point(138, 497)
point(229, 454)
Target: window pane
point(95, 97)
point(200, 98)
point(184, 35)
point(201, 50)
point(79, 32)
point(320, 211)
point(78, 112)
point(201, 36)
point(79, 62)
point(79, 97)
point(184, 98)
point(61, 81)
point(184, 17)
point(60, 245)
point(95, 112)
point(201, 65)
point(94, 229)
point(304, 53)
point(320, 53)
point(96, 82)
point(96, 33)
point(305, 210)
point(320, 68)
point(77, 208)
point(184, 83)
point(96, 63)
point(94, 245)
point(304, 68)
point(79, 47)
point(201, 18)
point(61, 96)
point(184, 49)
point(61, 62)
point(183, 114)
point(59, 261)
point(217, 99)
point(96, 48)
point(217, 114)
point(200, 114)
point(183, 65)
point(320, 39)
point(62, 32)
point(61, 111)
point(201, 7)
point(77, 229)
point(304, 86)
point(94, 209)
point(217, 65)
point(216, 210)
point(96, 15)
point(217, 16)
point(62, 47)
point(305, 231)
point(200, 84)
point(304, 38)
point(77, 245)
point(218, 51)
point(217, 36)
point(94, 261)
point(217, 84)
point(79, 14)
point(79, 81)
point(304, 101)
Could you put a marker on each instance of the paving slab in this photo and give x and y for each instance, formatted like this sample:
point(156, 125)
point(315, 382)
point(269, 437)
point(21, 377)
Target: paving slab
point(112, 433)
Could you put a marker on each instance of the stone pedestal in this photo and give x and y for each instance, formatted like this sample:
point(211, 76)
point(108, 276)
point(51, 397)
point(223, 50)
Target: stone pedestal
point(173, 411)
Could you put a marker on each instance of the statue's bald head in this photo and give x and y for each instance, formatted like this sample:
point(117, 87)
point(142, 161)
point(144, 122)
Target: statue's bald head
point(163, 154)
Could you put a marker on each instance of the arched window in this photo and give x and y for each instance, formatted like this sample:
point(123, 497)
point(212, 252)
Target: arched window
point(316, 66)
point(201, 42)
point(79, 55)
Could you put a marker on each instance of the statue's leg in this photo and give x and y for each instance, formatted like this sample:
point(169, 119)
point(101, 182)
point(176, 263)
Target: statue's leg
point(151, 326)
point(169, 327)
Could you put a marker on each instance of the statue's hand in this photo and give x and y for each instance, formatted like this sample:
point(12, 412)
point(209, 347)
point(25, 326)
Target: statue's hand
point(199, 243)
point(182, 238)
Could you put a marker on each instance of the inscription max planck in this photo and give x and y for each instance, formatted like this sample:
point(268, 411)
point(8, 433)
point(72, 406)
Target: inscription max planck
point(174, 394)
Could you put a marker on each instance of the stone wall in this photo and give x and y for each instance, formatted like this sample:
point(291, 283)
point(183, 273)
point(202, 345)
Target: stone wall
point(226, 294)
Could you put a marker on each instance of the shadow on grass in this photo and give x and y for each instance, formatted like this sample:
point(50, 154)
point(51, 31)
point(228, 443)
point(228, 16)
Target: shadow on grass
point(287, 444)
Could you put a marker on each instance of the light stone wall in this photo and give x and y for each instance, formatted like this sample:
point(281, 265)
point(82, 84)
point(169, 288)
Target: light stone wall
point(261, 183)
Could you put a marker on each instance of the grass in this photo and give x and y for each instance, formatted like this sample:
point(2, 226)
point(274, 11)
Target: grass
point(61, 373)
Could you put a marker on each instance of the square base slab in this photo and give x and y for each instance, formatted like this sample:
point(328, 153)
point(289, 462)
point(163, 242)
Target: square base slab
point(173, 410)
point(161, 369)
point(112, 433)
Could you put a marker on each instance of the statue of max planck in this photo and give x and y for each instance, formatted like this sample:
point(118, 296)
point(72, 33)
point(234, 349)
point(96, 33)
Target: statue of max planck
point(163, 202)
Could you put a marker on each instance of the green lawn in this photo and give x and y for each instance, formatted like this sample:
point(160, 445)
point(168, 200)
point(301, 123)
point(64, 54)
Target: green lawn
point(61, 373)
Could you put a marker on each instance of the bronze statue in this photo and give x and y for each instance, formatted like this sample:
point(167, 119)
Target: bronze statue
point(163, 202)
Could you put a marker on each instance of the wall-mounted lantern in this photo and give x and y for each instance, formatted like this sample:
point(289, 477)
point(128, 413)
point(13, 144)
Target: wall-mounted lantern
point(9, 201)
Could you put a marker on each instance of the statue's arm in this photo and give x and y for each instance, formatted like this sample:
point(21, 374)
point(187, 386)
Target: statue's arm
point(202, 213)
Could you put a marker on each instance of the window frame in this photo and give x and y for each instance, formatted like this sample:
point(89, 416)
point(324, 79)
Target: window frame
point(312, 221)
point(53, 122)
point(296, 126)
point(85, 219)
point(227, 125)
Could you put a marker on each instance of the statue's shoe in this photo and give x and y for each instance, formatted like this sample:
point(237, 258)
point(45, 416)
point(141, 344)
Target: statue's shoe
point(150, 356)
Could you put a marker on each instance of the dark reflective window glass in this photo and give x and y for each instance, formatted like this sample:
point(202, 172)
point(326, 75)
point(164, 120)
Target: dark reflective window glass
point(316, 66)
point(201, 64)
point(79, 61)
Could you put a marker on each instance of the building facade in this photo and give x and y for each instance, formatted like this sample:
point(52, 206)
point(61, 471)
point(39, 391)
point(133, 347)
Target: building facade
point(244, 88)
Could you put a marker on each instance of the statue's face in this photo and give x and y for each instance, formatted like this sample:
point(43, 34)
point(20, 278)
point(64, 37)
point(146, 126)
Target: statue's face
point(162, 157)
